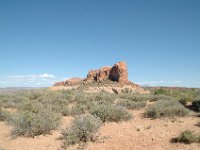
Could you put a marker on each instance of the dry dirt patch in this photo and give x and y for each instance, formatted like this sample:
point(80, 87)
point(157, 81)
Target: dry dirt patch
point(145, 134)
point(47, 142)
point(137, 134)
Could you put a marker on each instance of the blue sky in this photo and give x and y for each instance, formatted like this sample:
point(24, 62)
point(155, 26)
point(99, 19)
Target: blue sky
point(44, 41)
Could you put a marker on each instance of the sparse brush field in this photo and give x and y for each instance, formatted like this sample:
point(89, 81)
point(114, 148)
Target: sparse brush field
point(71, 119)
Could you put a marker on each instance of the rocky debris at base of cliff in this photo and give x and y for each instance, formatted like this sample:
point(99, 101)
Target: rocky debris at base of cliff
point(109, 79)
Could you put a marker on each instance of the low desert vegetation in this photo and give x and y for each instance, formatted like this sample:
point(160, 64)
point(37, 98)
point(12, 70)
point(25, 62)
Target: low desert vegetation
point(77, 110)
point(196, 104)
point(135, 97)
point(169, 108)
point(32, 124)
point(110, 113)
point(161, 98)
point(39, 112)
point(183, 101)
point(4, 115)
point(141, 97)
point(83, 129)
point(189, 94)
point(187, 137)
point(2, 148)
point(133, 105)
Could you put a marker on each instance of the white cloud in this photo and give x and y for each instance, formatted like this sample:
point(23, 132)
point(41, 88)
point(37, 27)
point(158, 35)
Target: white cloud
point(176, 82)
point(45, 75)
point(32, 76)
point(30, 80)
point(152, 83)
point(168, 83)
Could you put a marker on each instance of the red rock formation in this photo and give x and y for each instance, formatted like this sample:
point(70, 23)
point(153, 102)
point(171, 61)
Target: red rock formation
point(103, 73)
point(92, 74)
point(99, 75)
point(61, 83)
point(73, 81)
point(119, 72)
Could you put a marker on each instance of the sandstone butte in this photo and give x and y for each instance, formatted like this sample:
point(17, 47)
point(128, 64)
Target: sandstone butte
point(117, 73)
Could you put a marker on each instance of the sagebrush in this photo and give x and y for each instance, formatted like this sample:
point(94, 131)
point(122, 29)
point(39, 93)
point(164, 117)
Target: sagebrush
point(82, 129)
point(187, 137)
point(169, 108)
point(110, 113)
point(32, 124)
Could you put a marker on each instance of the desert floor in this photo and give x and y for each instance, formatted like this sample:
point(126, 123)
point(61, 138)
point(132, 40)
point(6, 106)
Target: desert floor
point(137, 134)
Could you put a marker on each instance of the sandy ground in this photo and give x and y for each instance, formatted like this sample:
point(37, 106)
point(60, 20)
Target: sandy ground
point(137, 134)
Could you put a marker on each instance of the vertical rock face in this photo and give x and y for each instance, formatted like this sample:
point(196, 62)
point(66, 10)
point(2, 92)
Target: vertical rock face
point(103, 73)
point(99, 75)
point(119, 72)
point(92, 75)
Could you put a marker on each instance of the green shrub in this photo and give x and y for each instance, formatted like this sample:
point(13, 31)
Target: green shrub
point(77, 110)
point(183, 101)
point(161, 92)
point(33, 124)
point(138, 98)
point(74, 110)
point(4, 115)
point(153, 98)
point(82, 129)
point(196, 104)
point(104, 97)
point(11, 100)
point(187, 137)
point(31, 106)
point(132, 104)
point(110, 113)
point(135, 97)
point(65, 111)
point(163, 97)
point(186, 93)
point(169, 108)
point(127, 91)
